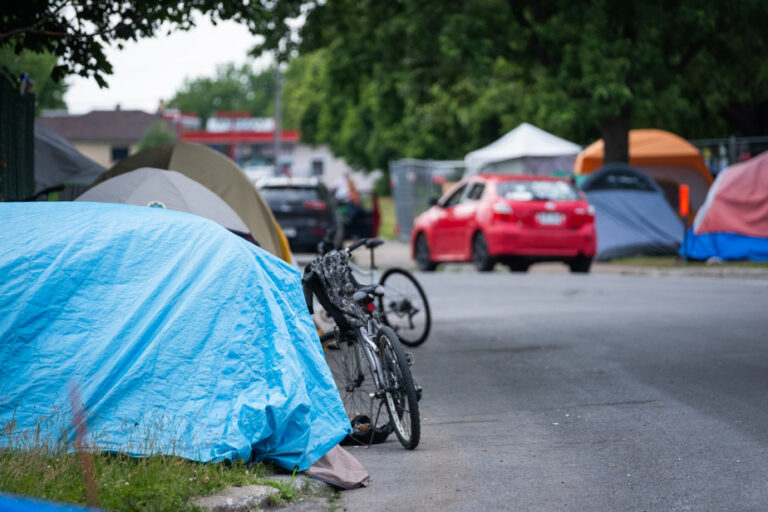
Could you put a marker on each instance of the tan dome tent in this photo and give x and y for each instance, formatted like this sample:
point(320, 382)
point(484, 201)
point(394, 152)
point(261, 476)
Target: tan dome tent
point(221, 175)
point(157, 188)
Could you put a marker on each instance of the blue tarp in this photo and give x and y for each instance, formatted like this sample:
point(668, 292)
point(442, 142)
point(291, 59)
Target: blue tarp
point(10, 503)
point(179, 337)
point(725, 246)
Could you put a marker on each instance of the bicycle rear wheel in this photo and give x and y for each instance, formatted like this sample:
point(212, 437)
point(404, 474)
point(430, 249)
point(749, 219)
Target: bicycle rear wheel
point(351, 372)
point(401, 396)
point(404, 307)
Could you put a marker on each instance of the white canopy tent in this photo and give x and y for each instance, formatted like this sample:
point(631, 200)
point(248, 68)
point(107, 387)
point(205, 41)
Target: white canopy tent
point(524, 150)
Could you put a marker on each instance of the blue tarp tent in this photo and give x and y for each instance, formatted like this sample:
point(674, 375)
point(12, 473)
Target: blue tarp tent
point(179, 336)
point(631, 214)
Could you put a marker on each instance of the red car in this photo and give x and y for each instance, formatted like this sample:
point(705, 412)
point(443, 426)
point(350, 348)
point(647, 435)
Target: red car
point(512, 219)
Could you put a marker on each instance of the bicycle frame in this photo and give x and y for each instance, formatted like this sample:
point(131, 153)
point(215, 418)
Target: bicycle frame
point(371, 351)
point(370, 273)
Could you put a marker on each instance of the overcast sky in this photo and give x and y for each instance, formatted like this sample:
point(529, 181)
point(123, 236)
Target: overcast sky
point(153, 69)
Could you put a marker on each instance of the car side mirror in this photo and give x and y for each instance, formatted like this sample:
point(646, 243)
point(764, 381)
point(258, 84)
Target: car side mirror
point(434, 201)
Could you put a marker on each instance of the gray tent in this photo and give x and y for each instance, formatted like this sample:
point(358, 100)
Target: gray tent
point(166, 189)
point(59, 167)
point(632, 216)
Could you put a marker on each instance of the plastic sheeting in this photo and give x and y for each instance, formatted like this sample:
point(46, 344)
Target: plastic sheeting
point(724, 246)
point(179, 337)
point(10, 503)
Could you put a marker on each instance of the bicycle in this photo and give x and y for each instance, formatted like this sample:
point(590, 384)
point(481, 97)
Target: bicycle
point(404, 306)
point(371, 369)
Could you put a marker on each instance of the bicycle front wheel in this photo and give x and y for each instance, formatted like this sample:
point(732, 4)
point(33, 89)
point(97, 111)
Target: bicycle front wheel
point(400, 390)
point(404, 307)
point(354, 379)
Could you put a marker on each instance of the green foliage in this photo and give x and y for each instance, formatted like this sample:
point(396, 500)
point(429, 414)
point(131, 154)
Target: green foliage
point(232, 88)
point(77, 31)
point(157, 134)
point(303, 94)
point(388, 218)
point(436, 79)
point(48, 93)
point(122, 483)
point(382, 185)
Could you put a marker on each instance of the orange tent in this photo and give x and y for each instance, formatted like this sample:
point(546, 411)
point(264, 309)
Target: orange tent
point(667, 158)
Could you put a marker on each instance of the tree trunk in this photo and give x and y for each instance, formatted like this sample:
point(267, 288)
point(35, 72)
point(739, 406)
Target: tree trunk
point(616, 138)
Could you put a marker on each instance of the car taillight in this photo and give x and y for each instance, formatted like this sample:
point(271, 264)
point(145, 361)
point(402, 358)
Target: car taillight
point(583, 216)
point(315, 205)
point(502, 210)
point(318, 230)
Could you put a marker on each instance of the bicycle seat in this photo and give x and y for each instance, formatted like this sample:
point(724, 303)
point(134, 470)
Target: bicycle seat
point(365, 291)
point(372, 243)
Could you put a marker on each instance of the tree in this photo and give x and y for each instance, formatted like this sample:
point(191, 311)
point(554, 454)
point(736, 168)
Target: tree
point(157, 134)
point(48, 94)
point(435, 79)
point(232, 88)
point(77, 31)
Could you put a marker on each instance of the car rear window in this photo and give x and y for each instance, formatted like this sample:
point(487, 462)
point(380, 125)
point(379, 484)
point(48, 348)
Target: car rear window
point(290, 194)
point(537, 191)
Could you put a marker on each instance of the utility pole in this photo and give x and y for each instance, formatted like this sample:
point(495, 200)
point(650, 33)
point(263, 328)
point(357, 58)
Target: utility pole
point(278, 115)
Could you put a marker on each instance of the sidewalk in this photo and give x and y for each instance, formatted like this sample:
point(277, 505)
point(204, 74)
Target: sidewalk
point(397, 254)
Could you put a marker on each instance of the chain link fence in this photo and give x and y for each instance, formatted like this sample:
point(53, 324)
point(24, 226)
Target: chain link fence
point(17, 143)
point(720, 153)
point(414, 182)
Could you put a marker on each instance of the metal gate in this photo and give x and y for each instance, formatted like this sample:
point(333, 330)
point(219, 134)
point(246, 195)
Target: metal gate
point(414, 182)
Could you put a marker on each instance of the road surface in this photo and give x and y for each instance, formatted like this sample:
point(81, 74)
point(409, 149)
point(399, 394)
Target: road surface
point(584, 392)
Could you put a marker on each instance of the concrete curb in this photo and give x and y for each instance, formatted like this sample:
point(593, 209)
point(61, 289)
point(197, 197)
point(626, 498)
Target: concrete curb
point(257, 497)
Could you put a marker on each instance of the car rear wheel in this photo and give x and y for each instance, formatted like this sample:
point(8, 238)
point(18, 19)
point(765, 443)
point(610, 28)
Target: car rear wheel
point(580, 264)
point(480, 255)
point(422, 255)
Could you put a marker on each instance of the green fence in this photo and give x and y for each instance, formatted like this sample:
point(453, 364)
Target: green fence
point(17, 143)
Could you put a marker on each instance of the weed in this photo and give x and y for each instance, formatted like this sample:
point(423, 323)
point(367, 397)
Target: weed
point(159, 482)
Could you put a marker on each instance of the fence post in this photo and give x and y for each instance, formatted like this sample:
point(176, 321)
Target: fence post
point(17, 143)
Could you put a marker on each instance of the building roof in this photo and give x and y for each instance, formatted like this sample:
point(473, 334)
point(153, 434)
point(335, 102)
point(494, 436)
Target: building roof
point(126, 126)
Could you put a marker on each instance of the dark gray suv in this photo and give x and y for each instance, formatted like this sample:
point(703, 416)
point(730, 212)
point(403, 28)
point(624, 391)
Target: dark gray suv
point(306, 211)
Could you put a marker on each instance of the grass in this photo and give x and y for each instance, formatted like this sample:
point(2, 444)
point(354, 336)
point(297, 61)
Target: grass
point(156, 483)
point(674, 262)
point(388, 222)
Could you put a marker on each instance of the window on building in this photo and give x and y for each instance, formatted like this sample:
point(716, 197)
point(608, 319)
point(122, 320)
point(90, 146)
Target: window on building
point(119, 152)
point(317, 168)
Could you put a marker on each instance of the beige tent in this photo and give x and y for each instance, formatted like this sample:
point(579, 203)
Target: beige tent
point(220, 174)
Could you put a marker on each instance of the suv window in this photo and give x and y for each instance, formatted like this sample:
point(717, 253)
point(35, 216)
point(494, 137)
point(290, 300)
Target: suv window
point(289, 194)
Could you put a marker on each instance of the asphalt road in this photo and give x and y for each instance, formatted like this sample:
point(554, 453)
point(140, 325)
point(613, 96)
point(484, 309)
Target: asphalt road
point(584, 392)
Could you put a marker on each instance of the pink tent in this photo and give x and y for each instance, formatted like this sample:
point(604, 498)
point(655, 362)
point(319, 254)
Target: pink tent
point(733, 222)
